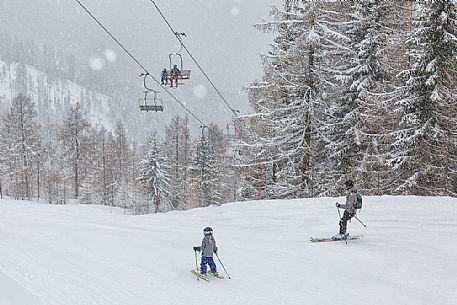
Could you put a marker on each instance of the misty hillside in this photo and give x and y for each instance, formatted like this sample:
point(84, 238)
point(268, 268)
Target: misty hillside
point(52, 97)
point(54, 81)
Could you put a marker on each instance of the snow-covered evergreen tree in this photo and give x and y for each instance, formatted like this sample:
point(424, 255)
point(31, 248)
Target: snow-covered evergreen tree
point(154, 178)
point(205, 176)
point(361, 131)
point(136, 184)
point(72, 135)
point(92, 186)
point(22, 144)
point(3, 159)
point(177, 147)
point(222, 147)
point(288, 134)
point(123, 187)
point(425, 149)
point(53, 173)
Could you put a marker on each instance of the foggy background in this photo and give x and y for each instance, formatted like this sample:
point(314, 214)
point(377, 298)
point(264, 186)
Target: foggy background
point(219, 35)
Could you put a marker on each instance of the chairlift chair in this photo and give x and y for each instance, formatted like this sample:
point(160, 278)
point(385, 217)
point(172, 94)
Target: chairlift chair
point(185, 74)
point(150, 104)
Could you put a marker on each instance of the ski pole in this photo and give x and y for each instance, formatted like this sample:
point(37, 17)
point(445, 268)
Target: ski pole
point(196, 259)
point(360, 221)
point(222, 265)
point(338, 209)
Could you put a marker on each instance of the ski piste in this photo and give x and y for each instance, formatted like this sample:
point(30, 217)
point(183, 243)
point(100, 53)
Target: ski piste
point(330, 239)
point(199, 276)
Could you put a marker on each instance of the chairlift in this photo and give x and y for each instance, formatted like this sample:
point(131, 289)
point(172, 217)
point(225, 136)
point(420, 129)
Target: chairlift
point(177, 63)
point(176, 60)
point(149, 104)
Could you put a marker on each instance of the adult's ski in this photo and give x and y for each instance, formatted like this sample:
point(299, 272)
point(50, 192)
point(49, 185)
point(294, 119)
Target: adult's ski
point(330, 239)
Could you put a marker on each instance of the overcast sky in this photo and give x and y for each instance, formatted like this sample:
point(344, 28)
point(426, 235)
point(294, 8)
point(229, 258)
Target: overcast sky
point(219, 34)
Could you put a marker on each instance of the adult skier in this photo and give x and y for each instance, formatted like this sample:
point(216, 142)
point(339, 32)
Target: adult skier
point(349, 208)
point(207, 248)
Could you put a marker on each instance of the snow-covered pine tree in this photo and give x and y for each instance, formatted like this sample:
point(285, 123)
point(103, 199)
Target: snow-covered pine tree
point(90, 192)
point(223, 153)
point(178, 150)
point(425, 149)
point(124, 187)
point(134, 173)
point(73, 138)
point(3, 159)
point(205, 176)
point(292, 101)
point(256, 132)
point(361, 133)
point(105, 164)
point(22, 143)
point(54, 174)
point(154, 178)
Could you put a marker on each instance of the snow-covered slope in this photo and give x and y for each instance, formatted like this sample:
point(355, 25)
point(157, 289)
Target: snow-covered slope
point(78, 255)
point(14, 294)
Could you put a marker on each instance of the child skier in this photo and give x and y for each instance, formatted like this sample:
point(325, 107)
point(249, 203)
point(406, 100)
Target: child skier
point(207, 248)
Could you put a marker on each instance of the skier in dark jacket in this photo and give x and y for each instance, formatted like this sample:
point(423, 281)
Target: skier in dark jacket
point(164, 77)
point(175, 74)
point(207, 248)
point(349, 207)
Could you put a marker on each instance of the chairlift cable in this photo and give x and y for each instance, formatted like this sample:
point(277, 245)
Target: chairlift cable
point(178, 37)
point(176, 34)
point(145, 70)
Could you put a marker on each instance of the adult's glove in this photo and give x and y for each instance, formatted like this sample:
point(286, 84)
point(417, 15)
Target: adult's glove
point(337, 205)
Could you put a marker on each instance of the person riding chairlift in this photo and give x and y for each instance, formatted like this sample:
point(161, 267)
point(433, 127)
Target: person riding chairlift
point(175, 73)
point(164, 77)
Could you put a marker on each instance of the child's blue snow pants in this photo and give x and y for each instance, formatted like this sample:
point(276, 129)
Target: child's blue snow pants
point(207, 260)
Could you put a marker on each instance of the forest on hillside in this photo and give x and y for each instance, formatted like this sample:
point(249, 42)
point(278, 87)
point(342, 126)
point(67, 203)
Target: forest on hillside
point(361, 90)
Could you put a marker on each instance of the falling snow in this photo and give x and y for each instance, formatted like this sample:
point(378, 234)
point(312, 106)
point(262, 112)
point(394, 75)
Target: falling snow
point(96, 63)
point(235, 11)
point(200, 91)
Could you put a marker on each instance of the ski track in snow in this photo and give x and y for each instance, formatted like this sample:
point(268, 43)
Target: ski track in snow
point(93, 255)
point(14, 294)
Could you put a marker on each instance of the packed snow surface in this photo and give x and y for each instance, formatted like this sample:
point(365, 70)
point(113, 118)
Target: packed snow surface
point(92, 255)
